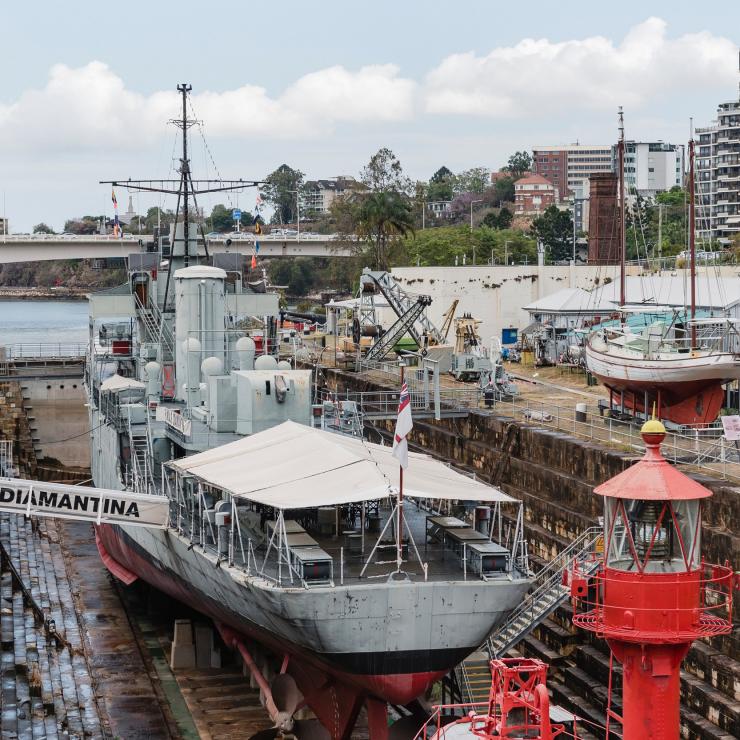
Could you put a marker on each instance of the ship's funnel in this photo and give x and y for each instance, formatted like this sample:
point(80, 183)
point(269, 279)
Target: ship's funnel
point(200, 310)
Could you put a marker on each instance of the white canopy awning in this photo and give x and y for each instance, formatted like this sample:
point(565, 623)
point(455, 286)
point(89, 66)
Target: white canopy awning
point(119, 383)
point(292, 466)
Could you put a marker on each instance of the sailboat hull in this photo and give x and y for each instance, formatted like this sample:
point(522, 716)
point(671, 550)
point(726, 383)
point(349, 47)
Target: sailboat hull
point(688, 389)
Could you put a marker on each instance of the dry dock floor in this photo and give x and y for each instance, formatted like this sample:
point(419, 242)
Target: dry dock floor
point(112, 678)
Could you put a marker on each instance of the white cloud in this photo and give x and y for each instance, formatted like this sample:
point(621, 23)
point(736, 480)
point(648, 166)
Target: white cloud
point(90, 108)
point(540, 77)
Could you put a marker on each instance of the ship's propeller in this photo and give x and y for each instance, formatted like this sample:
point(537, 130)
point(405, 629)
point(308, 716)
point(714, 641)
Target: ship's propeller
point(287, 698)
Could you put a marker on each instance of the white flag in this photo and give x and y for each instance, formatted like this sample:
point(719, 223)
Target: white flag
point(404, 424)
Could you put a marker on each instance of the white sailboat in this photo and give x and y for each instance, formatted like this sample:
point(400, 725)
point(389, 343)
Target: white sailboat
point(680, 373)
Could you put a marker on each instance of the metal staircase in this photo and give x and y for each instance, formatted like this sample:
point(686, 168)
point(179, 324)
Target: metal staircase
point(156, 330)
point(549, 593)
point(140, 478)
point(402, 325)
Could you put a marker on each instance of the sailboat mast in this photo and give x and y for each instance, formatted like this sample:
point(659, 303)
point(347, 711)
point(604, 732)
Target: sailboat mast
point(184, 89)
point(622, 230)
point(692, 238)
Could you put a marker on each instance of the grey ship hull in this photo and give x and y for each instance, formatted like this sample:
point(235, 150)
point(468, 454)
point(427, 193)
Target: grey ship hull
point(390, 639)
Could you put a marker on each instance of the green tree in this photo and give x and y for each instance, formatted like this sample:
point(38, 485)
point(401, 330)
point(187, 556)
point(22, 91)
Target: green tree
point(474, 180)
point(440, 185)
point(383, 173)
point(554, 229)
point(84, 225)
point(221, 218)
point(504, 190)
point(643, 220)
point(518, 164)
point(447, 244)
point(157, 217)
point(382, 218)
point(280, 192)
point(42, 228)
point(500, 220)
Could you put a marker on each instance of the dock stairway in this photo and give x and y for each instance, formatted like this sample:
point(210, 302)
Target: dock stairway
point(549, 592)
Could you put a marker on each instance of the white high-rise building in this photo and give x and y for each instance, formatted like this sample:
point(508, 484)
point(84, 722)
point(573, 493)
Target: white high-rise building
point(717, 168)
point(651, 167)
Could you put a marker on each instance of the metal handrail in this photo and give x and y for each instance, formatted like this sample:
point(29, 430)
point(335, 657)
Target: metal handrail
point(25, 350)
point(549, 578)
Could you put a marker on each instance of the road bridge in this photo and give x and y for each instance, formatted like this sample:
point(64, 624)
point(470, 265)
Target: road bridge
point(42, 248)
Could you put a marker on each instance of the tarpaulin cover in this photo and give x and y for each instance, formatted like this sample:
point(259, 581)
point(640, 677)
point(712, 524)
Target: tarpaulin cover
point(292, 466)
point(119, 383)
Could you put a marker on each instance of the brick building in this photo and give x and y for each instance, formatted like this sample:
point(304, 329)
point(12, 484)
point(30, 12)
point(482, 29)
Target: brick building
point(568, 167)
point(533, 195)
point(603, 232)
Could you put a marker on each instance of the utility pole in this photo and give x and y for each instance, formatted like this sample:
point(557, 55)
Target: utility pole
point(660, 236)
point(471, 213)
point(297, 210)
point(506, 252)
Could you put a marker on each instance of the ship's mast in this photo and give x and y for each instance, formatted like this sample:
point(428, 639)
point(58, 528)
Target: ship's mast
point(185, 188)
point(622, 229)
point(692, 237)
point(184, 124)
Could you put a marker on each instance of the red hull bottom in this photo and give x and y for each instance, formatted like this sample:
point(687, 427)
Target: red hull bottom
point(307, 668)
point(700, 405)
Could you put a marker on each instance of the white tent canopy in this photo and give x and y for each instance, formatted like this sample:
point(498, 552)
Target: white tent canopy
point(292, 466)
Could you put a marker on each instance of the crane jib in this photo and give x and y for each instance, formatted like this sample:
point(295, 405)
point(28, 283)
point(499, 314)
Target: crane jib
point(97, 505)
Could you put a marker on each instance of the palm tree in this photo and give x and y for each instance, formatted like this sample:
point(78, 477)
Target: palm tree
point(383, 216)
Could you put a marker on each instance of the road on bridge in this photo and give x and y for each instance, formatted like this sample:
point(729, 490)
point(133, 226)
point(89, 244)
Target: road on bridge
point(41, 249)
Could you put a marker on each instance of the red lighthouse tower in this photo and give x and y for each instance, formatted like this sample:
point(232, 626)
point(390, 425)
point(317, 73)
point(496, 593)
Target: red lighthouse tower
point(652, 595)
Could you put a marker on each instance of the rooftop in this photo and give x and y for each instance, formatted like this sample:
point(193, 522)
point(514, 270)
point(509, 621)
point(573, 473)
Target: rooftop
point(533, 180)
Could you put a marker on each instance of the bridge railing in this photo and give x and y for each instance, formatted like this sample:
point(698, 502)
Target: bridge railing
point(26, 351)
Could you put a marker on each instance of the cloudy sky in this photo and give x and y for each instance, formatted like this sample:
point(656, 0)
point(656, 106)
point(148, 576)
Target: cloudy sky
point(88, 87)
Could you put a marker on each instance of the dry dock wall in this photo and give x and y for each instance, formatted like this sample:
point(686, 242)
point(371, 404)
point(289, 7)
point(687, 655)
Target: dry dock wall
point(496, 294)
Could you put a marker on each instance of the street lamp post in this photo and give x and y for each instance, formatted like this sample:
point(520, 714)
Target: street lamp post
point(298, 211)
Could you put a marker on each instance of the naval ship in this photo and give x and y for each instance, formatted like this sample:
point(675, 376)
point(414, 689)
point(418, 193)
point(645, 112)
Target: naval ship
point(284, 533)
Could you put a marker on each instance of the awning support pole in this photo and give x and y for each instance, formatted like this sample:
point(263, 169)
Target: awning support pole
point(377, 542)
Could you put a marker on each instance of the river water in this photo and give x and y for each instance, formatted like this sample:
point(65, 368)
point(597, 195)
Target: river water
point(43, 322)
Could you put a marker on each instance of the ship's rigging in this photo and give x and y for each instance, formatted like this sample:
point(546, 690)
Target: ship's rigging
point(184, 188)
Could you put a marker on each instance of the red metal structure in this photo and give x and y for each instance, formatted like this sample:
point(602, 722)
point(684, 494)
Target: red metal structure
point(518, 707)
point(653, 594)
